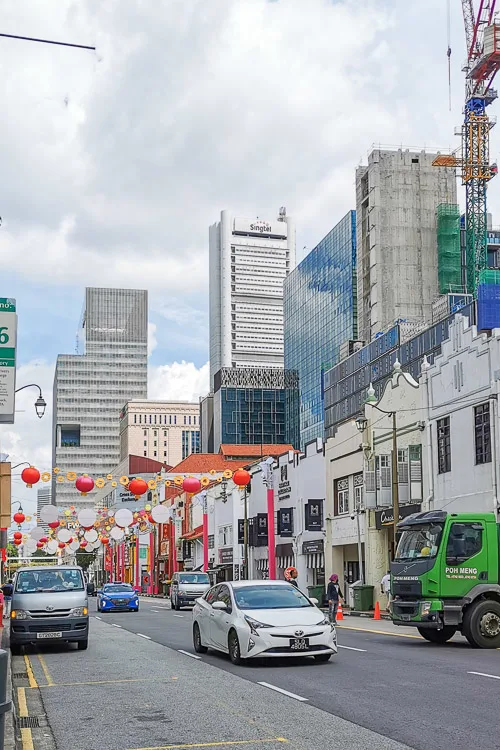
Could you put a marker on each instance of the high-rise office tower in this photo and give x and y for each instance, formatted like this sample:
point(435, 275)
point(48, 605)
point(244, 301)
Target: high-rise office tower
point(43, 497)
point(397, 195)
point(249, 260)
point(90, 389)
point(320, 325)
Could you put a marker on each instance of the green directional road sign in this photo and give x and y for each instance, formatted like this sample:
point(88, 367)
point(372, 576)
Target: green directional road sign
point(8, 338)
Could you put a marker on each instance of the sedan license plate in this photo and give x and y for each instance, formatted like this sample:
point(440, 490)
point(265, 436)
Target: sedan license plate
point(49, 635)
point(299, 644)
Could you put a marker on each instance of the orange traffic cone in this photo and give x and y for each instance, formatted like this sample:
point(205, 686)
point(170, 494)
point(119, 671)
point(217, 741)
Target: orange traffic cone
point(376, 614)
point(340, 614)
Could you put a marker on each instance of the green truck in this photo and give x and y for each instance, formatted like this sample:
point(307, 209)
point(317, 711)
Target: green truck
point(445, 577)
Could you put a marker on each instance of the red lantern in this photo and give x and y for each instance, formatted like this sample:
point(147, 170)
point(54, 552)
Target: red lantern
point(61, 545)
point(43, 540)
point(84, 484)
point(104, 540)
point(138, 487)
point(191, 485)
point(83, 543)
point(39, 544)
point(53, 524)
point(18, 535)
point(17, 542)
point(241, 477)
point(31, 476)
point(19, 517)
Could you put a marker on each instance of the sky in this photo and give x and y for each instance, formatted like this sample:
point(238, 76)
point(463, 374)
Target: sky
point(114, 163)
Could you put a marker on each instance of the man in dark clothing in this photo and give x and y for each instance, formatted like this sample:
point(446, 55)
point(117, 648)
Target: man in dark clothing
point(334, 596)
point(7, 591)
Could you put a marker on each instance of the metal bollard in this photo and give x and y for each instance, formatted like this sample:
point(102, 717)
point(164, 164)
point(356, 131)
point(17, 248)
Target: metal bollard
point(5, 705)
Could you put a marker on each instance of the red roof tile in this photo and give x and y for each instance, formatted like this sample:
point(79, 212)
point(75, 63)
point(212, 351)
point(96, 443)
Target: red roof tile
point(198, 463)
point(253, 451)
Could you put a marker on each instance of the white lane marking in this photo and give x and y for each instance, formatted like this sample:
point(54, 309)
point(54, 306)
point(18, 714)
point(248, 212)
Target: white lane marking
point(178, 615)
point(115, 625)
point(144, 636)
point(285, 692)
point(154, 610)
point(186, 653)
point(484, 674)
point(351, 648)
point(97, 617)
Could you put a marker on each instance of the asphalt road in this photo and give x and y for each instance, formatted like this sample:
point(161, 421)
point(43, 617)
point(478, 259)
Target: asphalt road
point(138, 688)
point(399, 686)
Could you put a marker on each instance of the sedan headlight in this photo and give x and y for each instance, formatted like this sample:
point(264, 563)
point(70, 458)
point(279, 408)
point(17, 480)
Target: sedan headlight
point(19, 614)
point(79, 612)
point(325, 622)
point(255, 625)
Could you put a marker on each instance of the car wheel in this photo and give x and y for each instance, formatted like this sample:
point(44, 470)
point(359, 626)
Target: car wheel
point(15, 649)
point(322, 658)
point(83, 645)
point(198, 645)
point(234, 648)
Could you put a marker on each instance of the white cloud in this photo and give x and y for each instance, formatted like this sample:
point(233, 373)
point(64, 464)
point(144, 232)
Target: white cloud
point(180, 381)
point(152, 341)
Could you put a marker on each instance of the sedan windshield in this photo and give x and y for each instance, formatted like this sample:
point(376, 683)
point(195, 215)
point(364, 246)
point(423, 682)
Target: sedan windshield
point(418, 542)
point(118, 588)
point(194, 578)
point(34, 581)
point(270, 597)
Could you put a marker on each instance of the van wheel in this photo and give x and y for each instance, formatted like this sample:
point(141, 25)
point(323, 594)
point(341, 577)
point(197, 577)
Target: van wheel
point(481, 624)
point(437, 636)
point(15, 649)
point(83, 645)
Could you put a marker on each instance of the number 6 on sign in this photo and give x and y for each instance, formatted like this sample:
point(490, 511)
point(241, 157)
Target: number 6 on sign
point(4, 336)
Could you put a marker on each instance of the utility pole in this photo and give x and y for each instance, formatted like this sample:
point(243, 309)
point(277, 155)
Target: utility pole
point(395, 483)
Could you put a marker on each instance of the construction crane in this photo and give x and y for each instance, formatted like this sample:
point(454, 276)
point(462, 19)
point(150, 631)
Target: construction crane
point(482, 34)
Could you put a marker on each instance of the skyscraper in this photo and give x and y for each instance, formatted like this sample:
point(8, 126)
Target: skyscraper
point(90, 389)
point(319, 318)
point(397, 194)
point(43, 497)
point(249, 260)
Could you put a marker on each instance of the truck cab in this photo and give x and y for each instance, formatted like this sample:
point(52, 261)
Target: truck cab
point(445, 577)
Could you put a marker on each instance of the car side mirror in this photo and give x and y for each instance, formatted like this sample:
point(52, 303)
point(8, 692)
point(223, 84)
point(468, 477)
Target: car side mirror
point(314, 601)
point(219, 605)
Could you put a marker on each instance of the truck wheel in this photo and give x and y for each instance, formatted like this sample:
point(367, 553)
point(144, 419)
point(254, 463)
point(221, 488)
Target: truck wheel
point(437, 636)
point(481, 624)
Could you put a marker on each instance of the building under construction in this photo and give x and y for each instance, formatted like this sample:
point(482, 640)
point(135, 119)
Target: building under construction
point(397, 196)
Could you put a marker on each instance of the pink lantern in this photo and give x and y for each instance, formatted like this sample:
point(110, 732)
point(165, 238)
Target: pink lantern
point(84, 484)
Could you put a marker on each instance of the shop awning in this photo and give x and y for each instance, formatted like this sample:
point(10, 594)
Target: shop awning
point(284, 562)
point(316, 561)
point(196, 533)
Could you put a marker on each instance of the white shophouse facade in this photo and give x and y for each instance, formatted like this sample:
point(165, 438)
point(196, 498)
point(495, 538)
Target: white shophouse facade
point(462, 388)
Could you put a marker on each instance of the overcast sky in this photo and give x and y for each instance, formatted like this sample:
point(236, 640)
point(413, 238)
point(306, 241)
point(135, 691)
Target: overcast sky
point(114, 164)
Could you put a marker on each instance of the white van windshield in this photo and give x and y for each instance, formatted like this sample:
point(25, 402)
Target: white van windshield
point(35, 581)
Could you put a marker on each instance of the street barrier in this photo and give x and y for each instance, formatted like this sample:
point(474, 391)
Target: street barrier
point(5, 705)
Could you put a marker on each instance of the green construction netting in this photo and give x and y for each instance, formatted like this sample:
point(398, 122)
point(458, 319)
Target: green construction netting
point(449, 253)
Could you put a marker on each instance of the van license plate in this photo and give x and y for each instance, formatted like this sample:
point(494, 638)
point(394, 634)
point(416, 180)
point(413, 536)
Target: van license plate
point(299, 644)
point(49, 635)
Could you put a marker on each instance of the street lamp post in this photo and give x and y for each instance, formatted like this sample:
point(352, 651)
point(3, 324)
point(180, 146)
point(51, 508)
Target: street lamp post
point(267, 477)
point(40, 404)
point(361, 424)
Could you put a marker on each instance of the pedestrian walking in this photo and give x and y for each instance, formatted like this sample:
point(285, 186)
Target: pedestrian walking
point(334, 596)
point(7, 591)
point(385, 587)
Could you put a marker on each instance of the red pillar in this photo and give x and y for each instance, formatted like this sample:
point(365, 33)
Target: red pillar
point(151, 562)
point(137, 563)
point(270, 534)
point(205, 534)
point(173, 549)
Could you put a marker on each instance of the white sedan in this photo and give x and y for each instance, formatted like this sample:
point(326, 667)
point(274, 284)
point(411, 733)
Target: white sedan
point(248, 619)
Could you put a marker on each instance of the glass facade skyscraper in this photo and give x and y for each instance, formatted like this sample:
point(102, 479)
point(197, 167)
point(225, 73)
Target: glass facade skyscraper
point(319, 317)
point(90, 389)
